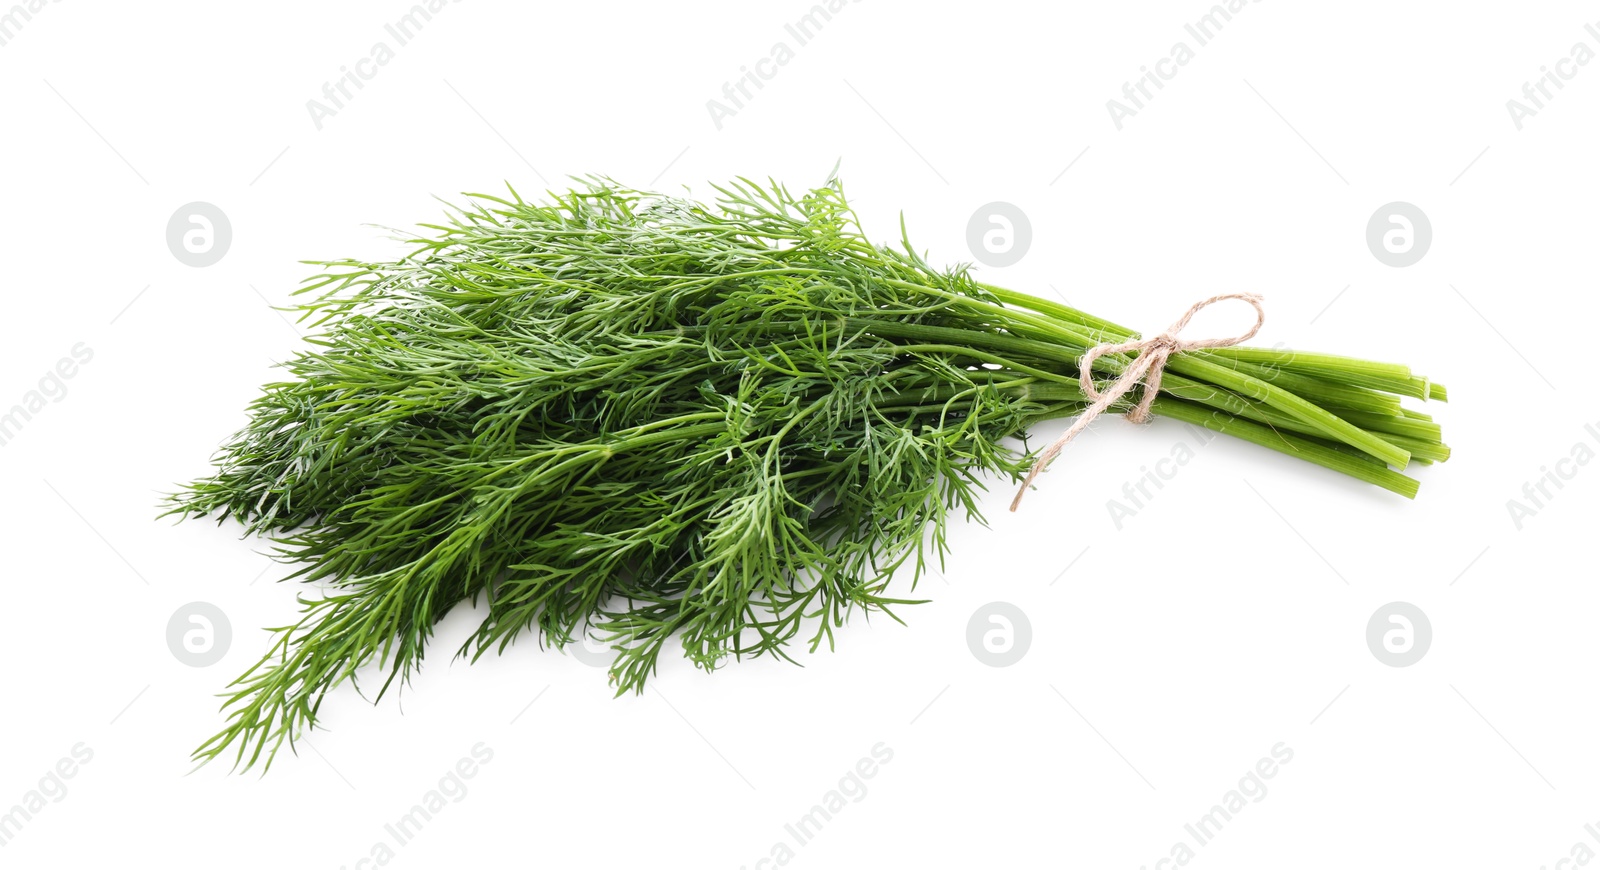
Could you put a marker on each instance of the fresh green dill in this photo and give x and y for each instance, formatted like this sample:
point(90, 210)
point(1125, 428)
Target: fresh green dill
point(723, 425)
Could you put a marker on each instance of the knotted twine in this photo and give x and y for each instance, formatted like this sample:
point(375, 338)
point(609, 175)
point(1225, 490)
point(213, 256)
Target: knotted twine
point(1152, 359)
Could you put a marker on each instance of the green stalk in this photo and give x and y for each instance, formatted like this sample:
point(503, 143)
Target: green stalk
point(1388, 377)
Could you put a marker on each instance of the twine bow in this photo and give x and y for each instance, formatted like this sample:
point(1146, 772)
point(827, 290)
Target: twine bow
point(1152, 359)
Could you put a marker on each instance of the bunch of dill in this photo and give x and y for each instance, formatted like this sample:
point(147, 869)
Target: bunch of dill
point(657, 420)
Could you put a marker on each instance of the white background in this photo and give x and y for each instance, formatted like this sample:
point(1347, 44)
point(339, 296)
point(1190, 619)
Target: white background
point(1227, 616)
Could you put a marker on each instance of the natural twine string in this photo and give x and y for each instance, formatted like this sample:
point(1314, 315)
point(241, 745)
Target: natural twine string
point(1152, 359)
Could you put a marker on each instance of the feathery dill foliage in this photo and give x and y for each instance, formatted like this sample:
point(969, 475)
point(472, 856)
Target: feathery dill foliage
point(724, 426)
